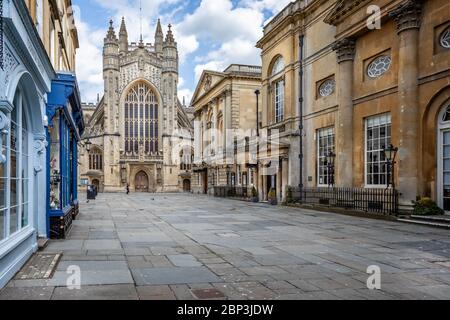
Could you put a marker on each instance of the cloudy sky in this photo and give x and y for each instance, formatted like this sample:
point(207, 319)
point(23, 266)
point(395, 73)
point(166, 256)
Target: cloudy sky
point(211, 34)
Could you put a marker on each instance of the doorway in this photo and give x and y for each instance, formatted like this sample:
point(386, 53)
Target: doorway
point(96, 184)
point(271, 183)
point(187, 185)
point(205, 182)
point(142, 182)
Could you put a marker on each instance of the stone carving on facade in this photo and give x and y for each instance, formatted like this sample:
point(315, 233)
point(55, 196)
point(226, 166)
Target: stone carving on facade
point(208, 82)
point(39, 146)
point(10, 64)
point(345, 49)
point(408, 15)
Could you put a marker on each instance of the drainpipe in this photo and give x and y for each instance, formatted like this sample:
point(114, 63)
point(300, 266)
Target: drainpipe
point(301, 100)
point(257, 93)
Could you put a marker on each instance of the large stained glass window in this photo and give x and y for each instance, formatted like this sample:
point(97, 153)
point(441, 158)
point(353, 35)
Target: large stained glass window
point(141, 120)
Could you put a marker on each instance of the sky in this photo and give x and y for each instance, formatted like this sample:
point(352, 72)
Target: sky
point(211, 34)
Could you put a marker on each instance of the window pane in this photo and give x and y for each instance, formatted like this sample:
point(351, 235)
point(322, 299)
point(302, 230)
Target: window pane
point(13, 222)
point(25, 215)
point(447, 137)
point(2, 193)
point(2, 224)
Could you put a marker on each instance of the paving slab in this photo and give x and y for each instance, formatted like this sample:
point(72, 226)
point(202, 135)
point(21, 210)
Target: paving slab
point(101, 292)
point(160, 276)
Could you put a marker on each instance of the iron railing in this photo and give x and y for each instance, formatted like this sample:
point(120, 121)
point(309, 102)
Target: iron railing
point(232, 192)
point(377, 201)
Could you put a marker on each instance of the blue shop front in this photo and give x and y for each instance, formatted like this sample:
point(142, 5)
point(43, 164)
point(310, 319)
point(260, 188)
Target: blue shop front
point(65, 127)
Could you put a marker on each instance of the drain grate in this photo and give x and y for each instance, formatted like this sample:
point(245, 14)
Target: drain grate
point(208, 294)
point(40, 266)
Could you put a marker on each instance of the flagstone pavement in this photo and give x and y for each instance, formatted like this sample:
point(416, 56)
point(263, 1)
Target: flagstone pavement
point(172, 246)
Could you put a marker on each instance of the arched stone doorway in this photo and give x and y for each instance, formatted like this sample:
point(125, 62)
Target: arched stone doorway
point(187, 185)
point(142, 182)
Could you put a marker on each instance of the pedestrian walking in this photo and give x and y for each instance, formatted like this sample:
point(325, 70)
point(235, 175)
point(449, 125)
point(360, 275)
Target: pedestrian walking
point(128, 188)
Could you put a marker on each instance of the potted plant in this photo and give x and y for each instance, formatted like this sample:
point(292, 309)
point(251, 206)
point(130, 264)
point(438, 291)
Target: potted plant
point(273, 197)
point(255, 197)
point(289, 195)
point(427, 207)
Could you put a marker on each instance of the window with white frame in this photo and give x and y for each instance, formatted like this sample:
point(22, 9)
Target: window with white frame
point(279, 101)
point(14, 173)
point(325, 146)
point(378, 138)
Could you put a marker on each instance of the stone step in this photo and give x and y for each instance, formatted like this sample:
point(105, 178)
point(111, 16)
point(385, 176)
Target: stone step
point(439, 219)
point(42, 243)
point(425, 223)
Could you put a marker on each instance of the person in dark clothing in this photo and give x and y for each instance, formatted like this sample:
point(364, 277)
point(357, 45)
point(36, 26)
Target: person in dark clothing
point(128, 189)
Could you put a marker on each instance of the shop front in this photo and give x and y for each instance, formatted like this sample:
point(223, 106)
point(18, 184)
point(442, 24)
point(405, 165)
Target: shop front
point(65, 126)
point(25, 79)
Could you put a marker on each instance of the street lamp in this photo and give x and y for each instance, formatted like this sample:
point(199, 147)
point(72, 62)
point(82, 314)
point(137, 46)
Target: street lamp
point(331, 156)
point(390, 153)
point(88, 145)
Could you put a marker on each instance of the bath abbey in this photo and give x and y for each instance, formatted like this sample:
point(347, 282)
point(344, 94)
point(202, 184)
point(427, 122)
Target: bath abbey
point(130, 131)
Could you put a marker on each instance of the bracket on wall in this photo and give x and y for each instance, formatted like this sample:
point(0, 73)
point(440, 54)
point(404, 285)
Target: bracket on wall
point(4, 127)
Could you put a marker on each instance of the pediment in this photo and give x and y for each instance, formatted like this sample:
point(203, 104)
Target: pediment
point(341, 10)
point(207, 81)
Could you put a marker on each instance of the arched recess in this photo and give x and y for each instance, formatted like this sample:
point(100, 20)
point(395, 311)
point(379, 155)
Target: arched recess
point(152, 183)
point(23, 158)
point(123, 99)
point(26, 85)
point(429, 145)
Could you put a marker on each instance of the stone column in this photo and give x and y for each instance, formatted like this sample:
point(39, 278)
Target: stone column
point(408, 18)
point(285, 176)
point(279, 182)
point(345, 50)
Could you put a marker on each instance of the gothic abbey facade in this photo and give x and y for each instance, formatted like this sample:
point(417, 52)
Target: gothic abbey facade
point(130, 132)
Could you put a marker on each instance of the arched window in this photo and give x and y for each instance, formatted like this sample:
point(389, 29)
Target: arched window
point(96, 159)
point(141, 119)
point(278, 89)
point(15, 177)
point(277, 66)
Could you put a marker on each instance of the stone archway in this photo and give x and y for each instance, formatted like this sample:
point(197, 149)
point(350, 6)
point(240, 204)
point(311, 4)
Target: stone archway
point(141, 182)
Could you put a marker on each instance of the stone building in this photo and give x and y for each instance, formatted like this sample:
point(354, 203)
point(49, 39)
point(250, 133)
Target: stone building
point(222, 102)
point(139, 118)
point(38, 41)
point(362, 83)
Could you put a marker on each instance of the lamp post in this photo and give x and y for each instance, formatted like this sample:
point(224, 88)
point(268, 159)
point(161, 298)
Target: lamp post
point(390, 153)
point(257, 93)
point(330, 163)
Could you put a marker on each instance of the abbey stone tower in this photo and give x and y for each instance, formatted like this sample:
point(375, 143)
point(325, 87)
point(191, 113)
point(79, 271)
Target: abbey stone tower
point(132, 129)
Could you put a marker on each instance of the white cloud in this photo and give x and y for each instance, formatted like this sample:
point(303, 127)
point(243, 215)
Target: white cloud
point(224, 32)
point(89, 62)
